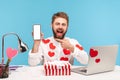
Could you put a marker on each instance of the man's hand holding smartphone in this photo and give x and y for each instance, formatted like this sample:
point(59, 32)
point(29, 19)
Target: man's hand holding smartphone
point(37, 36)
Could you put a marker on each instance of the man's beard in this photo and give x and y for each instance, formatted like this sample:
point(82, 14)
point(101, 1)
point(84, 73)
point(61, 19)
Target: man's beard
point(58, 37)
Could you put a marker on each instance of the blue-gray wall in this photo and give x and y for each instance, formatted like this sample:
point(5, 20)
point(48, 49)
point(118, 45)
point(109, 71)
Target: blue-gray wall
point(92, 22)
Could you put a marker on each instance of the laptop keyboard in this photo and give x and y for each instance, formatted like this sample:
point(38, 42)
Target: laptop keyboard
point(83, 70)
point(80, 69)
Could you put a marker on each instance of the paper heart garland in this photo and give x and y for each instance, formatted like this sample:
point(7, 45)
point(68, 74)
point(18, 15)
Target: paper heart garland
point(64, 59)
point(51, 54)
point(93, 53)
point(52, 46)
point(45, 41)
point(11, 52)
point(66, 51)
point(79, 47)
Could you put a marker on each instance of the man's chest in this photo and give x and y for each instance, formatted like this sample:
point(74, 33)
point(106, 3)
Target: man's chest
point(54, 51)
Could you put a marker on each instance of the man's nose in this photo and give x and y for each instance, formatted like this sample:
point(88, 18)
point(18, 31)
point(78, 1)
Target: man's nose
point(60, 26)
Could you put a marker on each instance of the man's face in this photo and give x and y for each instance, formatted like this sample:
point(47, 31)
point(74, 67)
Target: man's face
point(59, 27)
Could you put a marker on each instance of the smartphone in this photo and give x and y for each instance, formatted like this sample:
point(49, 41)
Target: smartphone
point(36, 32)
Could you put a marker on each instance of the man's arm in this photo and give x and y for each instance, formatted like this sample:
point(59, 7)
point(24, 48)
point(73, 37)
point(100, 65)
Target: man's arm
point(79, 53)
point(35, 54)
point(76, 49)
point(65, 43)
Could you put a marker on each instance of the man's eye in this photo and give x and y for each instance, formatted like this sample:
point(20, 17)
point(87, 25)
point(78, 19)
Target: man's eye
point(63, 24)
point(57, 23)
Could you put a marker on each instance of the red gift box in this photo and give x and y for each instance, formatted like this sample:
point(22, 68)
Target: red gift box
point(57, 68)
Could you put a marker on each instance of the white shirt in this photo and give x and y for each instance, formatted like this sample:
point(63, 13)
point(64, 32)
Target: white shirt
point(50, 50)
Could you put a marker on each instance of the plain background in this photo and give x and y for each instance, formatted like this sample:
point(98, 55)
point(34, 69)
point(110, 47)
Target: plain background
point(92, 22)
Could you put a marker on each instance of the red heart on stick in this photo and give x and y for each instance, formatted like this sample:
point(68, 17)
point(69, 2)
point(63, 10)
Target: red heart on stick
point(93, 53)
point(52, 46)
point(45, 41)
point(66, 51)
point(11, 52)
point(64, 58)
point(51, 54)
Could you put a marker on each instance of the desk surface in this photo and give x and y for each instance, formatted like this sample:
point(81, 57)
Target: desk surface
point(36, 73)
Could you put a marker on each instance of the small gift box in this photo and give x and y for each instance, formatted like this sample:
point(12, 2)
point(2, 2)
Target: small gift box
point(57, 68)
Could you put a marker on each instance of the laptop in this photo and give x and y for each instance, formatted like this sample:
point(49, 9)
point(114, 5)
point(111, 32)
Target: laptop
point(101, 59)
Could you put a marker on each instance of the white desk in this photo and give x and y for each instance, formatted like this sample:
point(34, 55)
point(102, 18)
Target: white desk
point(36, 73)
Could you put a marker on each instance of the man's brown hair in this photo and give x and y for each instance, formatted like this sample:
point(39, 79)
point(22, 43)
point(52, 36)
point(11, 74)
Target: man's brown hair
point(60, 14)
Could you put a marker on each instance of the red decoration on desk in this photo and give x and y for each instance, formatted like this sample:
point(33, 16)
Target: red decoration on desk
point(11, 53)
point(57, 68)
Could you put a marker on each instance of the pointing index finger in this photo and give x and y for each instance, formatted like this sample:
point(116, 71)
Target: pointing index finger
point(59, 40)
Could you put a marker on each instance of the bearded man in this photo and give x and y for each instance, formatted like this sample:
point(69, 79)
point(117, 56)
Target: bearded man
point(58, 47)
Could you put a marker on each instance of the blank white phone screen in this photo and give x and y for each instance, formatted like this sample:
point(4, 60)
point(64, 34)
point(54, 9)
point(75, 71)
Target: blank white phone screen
point(36, 32)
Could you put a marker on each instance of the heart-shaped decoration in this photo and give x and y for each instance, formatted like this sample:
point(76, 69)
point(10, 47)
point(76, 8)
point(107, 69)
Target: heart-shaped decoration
point(45, 41)
point(79, 47)
point(66, 51)
point(64, 59)
point(51, 54)
point(52, 46)
point(93, 53)
point(97, 60)
point(11, 52)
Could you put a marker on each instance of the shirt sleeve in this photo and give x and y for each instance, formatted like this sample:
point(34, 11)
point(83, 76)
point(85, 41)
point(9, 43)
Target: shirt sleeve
point(35, 58)
point(79, 53)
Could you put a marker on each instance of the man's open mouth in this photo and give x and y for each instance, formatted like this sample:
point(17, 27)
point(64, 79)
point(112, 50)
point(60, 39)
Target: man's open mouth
point(60, 32)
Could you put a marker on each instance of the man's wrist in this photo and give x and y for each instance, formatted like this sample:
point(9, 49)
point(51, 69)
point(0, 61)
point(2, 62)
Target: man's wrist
point(71, 48)
point(35, 48)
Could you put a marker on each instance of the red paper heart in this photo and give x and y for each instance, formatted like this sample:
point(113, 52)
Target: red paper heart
point(97, 60)
point(51, 54)
point(66, 51)
point(64, 59)
point(11, 52)
point(45, 41)
point(79, 47)
point(93, 53)
point(52, 46)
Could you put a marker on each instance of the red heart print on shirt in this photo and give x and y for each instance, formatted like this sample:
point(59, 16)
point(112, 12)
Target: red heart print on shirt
point(66, 51)
point(52, 46)
point(51, 54)
point(64, 59)
point(97, 60)
point(93, 53)
point(79, 47)
point(45, 41)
